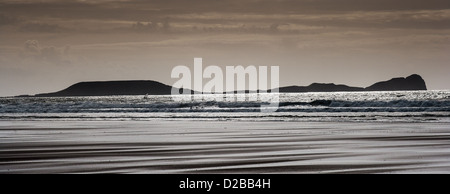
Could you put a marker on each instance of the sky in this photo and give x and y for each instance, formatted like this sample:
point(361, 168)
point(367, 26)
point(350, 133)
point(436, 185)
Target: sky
point(48, 45)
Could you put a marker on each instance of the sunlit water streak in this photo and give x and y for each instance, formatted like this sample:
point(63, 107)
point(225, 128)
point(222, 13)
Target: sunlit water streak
point(336, 106)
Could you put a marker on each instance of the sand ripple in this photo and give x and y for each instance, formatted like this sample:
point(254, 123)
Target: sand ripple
point(223, 147)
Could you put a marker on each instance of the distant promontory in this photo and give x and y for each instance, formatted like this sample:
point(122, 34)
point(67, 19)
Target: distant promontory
point(413, 82)
point(109, 88)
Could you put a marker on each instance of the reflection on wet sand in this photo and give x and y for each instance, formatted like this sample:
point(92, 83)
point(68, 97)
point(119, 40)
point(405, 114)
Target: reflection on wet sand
point(223, 147)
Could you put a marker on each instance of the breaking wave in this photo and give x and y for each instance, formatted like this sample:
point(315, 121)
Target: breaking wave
point(352, 106)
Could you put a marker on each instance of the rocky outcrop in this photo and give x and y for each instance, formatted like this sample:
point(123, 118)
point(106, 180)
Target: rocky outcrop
point(109, 88)
point(413, 82)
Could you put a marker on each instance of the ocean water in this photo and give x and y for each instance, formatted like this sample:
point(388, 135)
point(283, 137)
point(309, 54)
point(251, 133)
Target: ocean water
point(408, 106)
point(348, 132)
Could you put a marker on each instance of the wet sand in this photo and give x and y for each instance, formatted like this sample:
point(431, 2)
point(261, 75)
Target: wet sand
point(223, 147)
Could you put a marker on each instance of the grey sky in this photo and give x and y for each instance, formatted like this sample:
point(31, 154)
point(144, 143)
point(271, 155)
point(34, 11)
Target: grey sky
point(46, 45)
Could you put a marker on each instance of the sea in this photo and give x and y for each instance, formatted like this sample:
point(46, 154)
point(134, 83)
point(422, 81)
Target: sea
point(340, 132)
point(408, 106)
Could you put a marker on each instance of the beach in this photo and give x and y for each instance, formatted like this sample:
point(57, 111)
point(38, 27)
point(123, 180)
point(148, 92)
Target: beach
point(224, 87)
point(198, 146)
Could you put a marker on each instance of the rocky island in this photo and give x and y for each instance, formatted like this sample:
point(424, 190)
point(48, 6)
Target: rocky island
point(107, 88)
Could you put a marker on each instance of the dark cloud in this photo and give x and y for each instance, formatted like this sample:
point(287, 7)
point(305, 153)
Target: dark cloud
point(8, 20)
point(247, 16)
point(275, 6)
point(42, 28)
point(139, 9)
point(255, 16)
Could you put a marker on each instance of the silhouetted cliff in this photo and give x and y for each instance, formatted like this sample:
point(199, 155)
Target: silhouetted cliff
point(108, 88)
point(413, 82)
point(113, 88)
point(318, 87)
